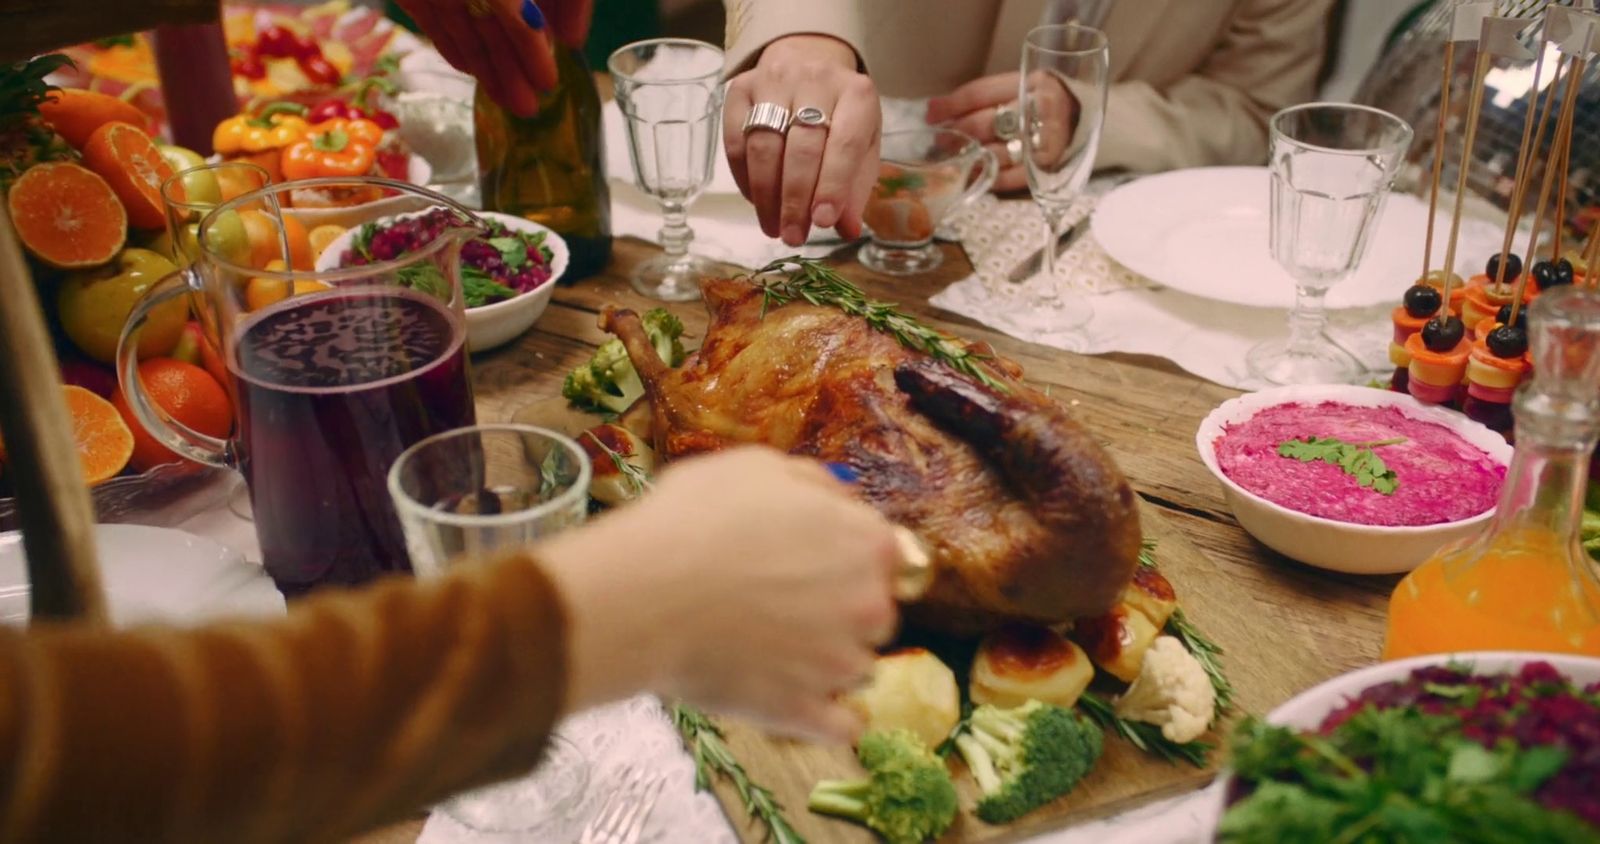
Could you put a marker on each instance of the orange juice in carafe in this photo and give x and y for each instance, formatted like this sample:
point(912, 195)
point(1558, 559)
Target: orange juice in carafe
point(1525, 582)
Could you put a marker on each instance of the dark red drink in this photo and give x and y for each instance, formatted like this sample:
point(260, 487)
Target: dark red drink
point(331, 388)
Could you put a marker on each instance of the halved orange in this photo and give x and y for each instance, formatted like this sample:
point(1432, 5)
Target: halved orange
point(104, 441)
point(67, 216)
point(127, 158)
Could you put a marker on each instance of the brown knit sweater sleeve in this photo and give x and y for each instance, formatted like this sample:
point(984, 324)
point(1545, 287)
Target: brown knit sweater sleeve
point(28, 27)
point(356, 710)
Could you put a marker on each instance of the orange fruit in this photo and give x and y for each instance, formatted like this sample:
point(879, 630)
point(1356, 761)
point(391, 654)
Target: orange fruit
point(75, 113)
point(188, 394)
point(323, 235)
point(237, 181)
point(67, 216)
point(131, 163)
point(261, 292)
point(104, 440)
point(261, 231)
point(301, 255)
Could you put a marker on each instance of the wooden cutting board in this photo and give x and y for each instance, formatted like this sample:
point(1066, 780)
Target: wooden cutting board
point(1264, 662)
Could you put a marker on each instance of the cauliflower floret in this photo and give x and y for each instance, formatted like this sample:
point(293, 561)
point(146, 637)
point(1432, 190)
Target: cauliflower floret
point(1172, 691)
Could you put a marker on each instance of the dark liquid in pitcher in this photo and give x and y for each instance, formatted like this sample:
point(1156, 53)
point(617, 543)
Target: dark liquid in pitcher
point(330, 391)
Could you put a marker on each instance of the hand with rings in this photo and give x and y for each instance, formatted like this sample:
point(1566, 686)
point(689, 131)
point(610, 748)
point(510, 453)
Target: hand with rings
point(801, 130)
point(986, 108)
point(506, 44)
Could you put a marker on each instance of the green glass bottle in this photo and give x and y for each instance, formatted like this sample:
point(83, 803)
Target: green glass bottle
point(550, 168)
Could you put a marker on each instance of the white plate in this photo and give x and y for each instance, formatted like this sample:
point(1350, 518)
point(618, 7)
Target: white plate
point(154, 575)
point(498, 323)
point(1204, 232)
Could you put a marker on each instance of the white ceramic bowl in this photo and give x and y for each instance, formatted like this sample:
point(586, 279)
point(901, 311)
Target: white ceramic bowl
point(498, 323)
point(1327, 543)
point(1306, 710)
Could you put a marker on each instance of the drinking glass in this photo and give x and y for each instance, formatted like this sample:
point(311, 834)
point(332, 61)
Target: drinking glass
point(1332, 166)
point(190, 194)
point(1062, 101)
point(466, 493)
point(332, 374)
point(670, 94)
point(923, 174)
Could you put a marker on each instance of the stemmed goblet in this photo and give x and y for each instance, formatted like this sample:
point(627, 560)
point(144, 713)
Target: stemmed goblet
point(1062, 100)
point(670, 93)
point(1332, 166)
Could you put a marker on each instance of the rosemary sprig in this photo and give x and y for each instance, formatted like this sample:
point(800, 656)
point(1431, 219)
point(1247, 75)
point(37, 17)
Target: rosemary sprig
point(817, 284)
point(1206, 652)
point(637, 478)
point(1146, 737)
point(713, 757)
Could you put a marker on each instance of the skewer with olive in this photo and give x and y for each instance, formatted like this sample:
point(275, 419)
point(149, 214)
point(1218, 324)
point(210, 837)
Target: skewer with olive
point(1513, 267)
point(1508, 341)
point(1423, 300)
point(1503, 316)
point(1545, 275)
point(1443, 333)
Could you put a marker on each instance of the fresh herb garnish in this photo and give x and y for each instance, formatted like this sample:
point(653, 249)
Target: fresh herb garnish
point(1146, 737)
point(637, 478)
point(512, 251)
point(362, 243)
point(478, 288)
point(713, 757)
point(903, 181)
point(424, 277)
point(819, 285)
point(1358, 460)
point(1206, 652)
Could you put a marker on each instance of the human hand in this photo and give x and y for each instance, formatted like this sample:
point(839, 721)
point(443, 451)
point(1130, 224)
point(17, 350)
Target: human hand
point(745, 581)
point(973, 108)
point(505, 44)
point(812, 175)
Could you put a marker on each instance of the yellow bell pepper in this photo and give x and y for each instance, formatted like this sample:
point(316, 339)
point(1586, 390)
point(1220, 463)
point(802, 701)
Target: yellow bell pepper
point(277, 126)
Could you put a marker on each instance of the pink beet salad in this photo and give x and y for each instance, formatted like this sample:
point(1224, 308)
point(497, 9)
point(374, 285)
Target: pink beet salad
point(1363, 465)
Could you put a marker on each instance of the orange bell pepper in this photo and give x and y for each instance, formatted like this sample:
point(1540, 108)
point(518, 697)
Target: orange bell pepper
point(277, 126)
point(337, 147)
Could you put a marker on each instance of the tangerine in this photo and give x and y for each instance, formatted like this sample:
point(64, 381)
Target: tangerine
point(67, 216)
point(322, 236)
point(187, 394)
point(126, 157)
point(105, 443)
point(261, 292)
point(261, 230)
point(76, 113)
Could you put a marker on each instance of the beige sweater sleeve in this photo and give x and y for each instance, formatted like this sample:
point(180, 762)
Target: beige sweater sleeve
point(1267, 59)
point(753, 24)
point(357, 710)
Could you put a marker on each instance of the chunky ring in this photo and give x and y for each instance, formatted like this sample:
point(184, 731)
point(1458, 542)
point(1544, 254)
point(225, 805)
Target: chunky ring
point(811, 116)
point(1014, 150)
point(480, 8)
point(769, 116)
point(915, 573)
point(1007, 124)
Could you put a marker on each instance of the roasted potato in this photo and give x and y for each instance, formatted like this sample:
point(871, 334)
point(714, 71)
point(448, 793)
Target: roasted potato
point(1152, 595)
point(910, 690)
point(608, 485)
point(1117, 640)
point(1019, 664)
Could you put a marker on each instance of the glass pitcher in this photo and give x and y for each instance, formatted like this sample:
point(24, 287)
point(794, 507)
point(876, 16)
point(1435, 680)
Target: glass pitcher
point(923, 175)
point(332, 372)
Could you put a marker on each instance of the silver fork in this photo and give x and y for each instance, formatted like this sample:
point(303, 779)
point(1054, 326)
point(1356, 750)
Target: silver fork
point(622, 815)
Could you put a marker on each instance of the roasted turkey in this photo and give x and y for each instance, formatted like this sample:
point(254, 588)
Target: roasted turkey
point(1027, 517)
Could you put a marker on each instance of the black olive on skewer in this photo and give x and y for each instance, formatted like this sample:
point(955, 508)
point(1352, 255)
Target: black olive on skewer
point(1564, 272)
point(1503, 316)
point(1545, 275)
point(1513, 267)
point(1441, 334)
point(1507, 341)
point(1423, 300)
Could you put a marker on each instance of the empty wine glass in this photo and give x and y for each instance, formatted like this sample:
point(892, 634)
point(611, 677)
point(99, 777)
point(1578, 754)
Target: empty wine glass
point(1062, 100)
point(670, 93)
point(1332, 165)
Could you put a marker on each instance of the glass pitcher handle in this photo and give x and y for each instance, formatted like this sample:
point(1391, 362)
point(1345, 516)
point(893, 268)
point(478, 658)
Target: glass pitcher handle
point(171, 433)
point(985, 180)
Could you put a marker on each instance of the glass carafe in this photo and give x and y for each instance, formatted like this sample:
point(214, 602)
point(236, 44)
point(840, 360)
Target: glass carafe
point(1525, 582)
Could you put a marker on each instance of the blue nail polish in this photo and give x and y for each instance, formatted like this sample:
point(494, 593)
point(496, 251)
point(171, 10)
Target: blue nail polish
point(843, 472)
point(531, 15)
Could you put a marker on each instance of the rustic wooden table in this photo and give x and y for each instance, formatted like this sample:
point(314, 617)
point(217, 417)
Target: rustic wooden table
point(1144, 410)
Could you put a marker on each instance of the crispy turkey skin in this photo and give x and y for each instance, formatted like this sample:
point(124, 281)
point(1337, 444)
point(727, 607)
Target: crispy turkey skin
point(1026, 515)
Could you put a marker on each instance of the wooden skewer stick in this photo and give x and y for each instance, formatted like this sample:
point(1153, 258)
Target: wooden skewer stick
point(1558, 216)
point(1438, 155)
point(1519, 184)
point(1558, 150)
point(52, 501)
point(1473, 111)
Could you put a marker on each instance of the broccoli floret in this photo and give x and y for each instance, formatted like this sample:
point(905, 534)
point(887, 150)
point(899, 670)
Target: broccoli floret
point(1026, 757)
point(608, 383)
point(666, 334)
point(907, 796)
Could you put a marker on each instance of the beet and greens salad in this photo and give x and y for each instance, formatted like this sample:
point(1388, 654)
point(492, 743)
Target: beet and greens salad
point(1443, 755)
point(497, 265)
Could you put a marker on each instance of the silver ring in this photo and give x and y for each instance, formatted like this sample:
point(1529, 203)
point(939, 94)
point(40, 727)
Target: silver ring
point(769, 116)
point(811, 116)
point(1007, 124)
point(1014, 150)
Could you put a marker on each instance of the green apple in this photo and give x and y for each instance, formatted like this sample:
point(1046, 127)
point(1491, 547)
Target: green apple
point(201, 188)
point(95, 304)
point(227, 237)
